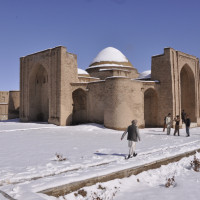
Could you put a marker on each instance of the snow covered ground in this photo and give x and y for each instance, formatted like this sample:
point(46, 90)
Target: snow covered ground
point(148, 185)
point(28, 163)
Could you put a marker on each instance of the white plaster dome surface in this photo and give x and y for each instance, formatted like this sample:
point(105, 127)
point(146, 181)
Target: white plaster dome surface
point(110, 54)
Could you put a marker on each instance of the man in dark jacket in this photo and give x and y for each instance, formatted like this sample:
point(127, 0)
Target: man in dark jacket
point(177, 120)
point(187, 124)
point(183, 116)
point(133, 137)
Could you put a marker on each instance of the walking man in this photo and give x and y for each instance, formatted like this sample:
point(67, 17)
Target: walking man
point(187, 124)
point(168, 123)
point(133, 137)
point(177, 120)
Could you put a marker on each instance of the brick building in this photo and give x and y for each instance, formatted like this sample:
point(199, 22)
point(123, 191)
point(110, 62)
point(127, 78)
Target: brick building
point(111, 92)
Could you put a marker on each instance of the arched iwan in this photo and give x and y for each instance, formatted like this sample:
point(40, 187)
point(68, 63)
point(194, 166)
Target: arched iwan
point(79, 107)
point(38, 95)
point(188, 92)
point(150, 108)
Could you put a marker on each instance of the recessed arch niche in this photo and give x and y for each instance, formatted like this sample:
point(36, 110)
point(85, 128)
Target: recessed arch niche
point(150, 108)
point(79, 115)
point(188, 91)
point(38, 94)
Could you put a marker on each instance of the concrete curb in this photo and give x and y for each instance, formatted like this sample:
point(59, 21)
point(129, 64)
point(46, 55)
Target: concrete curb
point(71, 187)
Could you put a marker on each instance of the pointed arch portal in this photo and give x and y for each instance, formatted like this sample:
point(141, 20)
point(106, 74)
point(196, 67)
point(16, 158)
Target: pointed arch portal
point(38, 95)
point(79, 107)
point(188, 92)
point(150, 108)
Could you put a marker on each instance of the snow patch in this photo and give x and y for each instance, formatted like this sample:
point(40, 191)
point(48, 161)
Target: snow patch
point(145, 75)
point(81, 71)
point(28, 150)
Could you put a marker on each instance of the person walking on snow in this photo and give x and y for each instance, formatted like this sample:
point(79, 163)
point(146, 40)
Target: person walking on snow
point(187, 124)
point(133, 137)
point(177, 120)
point(168, 123)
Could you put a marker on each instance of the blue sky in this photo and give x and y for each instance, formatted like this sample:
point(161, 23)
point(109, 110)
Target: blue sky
point(138, 28)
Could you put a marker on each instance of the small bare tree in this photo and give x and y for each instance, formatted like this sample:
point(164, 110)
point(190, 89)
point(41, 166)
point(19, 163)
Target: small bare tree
point(59, 157)
point(170, 182)
point(195, 164)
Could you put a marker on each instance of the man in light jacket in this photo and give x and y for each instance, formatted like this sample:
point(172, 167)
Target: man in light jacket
point(168, 123)
point(133, 137)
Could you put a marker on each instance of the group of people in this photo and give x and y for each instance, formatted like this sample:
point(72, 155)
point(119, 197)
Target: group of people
point(168, 123)
point(134, 136)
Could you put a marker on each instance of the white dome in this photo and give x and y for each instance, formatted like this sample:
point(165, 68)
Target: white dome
point(110, 54)
point(145, 75)
point(81, 71)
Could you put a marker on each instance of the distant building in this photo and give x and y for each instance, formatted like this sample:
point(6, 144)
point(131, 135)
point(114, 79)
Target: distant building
point(9, 105)
point(111, 92)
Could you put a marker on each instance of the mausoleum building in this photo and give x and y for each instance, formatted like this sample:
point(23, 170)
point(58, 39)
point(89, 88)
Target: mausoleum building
point(110, 91)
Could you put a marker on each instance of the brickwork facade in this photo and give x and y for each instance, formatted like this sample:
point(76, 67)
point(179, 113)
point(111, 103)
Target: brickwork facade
point(111, 94)
point(9, 105)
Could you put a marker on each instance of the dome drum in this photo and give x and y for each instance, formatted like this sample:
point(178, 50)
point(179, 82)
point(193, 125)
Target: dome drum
point(111, 62)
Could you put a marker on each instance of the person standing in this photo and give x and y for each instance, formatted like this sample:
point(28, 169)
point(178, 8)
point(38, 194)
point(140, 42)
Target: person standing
point(164, 125)
point(133, 137)
point(168, 123)
point(187, 124)
point(183, 116)
point(177, 120)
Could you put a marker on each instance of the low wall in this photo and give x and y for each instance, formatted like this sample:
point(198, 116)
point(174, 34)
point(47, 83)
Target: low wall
point(71, 187)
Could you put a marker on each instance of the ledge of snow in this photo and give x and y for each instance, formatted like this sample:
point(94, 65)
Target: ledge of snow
point(109, 65)
point(145, 75)
point(96, 81)
point(81, 71)
point(113, 69)
point(144, 81)
point(118, 77)
point(89, 77)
